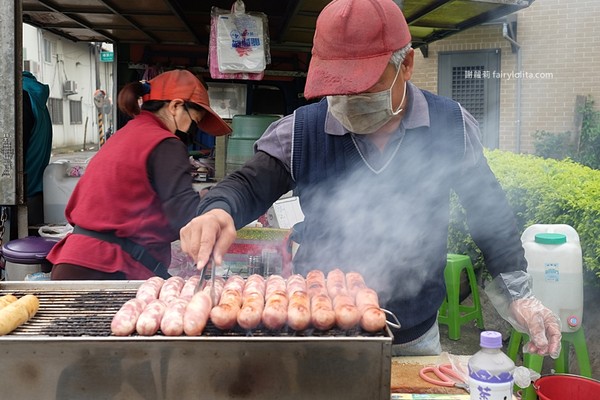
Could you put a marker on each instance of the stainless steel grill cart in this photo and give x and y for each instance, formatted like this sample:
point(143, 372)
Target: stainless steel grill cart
point(66, 352)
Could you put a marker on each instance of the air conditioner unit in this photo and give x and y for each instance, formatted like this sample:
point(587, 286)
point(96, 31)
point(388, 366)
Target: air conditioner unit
point(31, 66)
point(70, 87)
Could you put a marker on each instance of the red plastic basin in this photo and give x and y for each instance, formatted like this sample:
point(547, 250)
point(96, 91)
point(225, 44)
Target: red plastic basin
point(567, 387)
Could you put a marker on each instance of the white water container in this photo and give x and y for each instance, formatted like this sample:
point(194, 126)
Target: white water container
point(58, 186)
point(555, 262)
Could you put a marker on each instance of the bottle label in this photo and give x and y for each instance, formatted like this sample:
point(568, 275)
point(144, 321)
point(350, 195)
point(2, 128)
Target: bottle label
point(481, 390)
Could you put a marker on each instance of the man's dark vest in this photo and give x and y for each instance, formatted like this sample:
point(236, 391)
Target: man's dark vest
point(391, 226)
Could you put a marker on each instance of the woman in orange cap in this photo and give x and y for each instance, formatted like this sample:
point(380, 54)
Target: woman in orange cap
point(137, 192)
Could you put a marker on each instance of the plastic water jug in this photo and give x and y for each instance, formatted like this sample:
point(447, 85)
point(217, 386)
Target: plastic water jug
point(58, 186)
point(554, 259)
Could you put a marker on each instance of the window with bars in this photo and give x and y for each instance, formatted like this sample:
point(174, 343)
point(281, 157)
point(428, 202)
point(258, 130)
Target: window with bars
point(469, 90)
point(75, 112)
point(466, 76)
point(55, 107)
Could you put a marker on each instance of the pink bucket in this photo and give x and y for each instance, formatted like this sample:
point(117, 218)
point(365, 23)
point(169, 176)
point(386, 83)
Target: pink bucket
point(567, 387)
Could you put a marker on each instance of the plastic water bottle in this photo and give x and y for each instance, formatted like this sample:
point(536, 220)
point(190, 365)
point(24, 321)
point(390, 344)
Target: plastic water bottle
point(490, 370)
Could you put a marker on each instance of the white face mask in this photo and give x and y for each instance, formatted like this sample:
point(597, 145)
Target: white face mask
point(366, 112)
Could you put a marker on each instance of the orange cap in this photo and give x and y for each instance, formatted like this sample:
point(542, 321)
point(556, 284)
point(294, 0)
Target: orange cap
point(182, 84)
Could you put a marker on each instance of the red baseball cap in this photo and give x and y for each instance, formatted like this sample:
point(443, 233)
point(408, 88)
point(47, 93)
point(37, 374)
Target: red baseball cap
point(182, 84)
point(353, 43)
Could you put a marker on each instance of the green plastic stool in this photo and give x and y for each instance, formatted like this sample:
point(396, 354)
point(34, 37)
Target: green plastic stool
point(452, 313)
point(561, 364)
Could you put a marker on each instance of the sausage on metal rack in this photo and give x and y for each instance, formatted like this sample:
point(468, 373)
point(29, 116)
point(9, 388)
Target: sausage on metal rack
point(321, 310)
point(189, 288)
point(253, 302)
point(171, 323)
point(346, 313)
point(224, 315)
point(171, 289)
point(149, 321)
point(125, 320)
point(315, 283)
point(299, 310)
point(274, 315)
point(299, 303)
point(197, 313)
point(354, 282)
point(150, 289)
point(336, 283)
point(372, 316)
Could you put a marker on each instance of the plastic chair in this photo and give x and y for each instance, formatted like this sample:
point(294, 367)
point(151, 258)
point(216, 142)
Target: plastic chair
point(561, 364)
point(452, 313)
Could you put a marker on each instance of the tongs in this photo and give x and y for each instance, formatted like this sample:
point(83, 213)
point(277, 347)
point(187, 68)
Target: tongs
point(213, 274)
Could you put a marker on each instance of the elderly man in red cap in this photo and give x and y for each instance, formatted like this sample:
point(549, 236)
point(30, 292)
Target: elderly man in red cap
point(374, 163)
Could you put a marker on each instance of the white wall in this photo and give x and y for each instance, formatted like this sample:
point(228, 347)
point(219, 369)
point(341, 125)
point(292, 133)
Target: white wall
point(70, 61)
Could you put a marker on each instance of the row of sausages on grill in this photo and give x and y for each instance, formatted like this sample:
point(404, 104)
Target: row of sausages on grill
point(173, 306)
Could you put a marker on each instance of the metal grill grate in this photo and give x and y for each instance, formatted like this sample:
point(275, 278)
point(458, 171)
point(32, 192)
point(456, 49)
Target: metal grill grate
point(82, 313)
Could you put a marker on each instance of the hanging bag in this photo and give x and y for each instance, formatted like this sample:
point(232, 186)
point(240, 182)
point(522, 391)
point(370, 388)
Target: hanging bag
point(238, 43)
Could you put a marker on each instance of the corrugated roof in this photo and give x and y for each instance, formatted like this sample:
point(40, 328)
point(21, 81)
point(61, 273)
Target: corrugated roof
point(291, 22)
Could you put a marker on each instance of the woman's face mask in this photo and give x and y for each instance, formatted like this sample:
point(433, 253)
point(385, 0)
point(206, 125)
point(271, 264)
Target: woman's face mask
point(366, 112)
point(187, 136)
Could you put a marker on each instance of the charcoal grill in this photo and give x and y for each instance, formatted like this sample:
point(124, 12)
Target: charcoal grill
point(67, 352)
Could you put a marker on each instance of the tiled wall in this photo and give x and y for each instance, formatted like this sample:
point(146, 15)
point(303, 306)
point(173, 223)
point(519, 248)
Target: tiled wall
point(560, 50)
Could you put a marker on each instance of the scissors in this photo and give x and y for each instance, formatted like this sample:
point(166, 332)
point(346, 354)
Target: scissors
point(444, 376)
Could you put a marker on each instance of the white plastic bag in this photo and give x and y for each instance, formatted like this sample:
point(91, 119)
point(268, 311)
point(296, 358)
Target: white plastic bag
point(239, 44)
point(55, 231)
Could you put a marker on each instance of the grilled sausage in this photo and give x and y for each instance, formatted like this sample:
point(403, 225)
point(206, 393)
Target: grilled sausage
point(171, 289)
point(354, 282)
point(250, 314)
point(150, 289)
point(295, 283)
point(346, 312)
point(196, 313)
point(189, 288)
point(336, 283)
point(321, 310)
point(299, 310)
point(171, 323)
point(274, 315)
point(274, 283)
point(315, 283)
point(224, 315)
point(149, 321)
point(253, 302)
point(124, 321)
point(372, 316)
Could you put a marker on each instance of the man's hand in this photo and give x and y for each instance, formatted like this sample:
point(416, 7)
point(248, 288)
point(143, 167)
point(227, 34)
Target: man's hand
point(209, 234)
point(541, 324)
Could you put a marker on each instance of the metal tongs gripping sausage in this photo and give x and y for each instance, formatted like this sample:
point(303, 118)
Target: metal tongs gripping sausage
point(213, 290)
point(202, 280)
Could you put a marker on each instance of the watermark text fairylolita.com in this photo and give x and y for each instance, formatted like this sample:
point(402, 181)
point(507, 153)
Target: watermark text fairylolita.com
point(485, 74)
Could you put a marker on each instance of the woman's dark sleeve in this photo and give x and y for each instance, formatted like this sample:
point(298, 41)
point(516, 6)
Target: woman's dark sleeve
point(169, 171)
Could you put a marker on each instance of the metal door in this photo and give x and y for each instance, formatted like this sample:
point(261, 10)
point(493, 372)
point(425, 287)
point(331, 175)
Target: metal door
point(472, 79)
